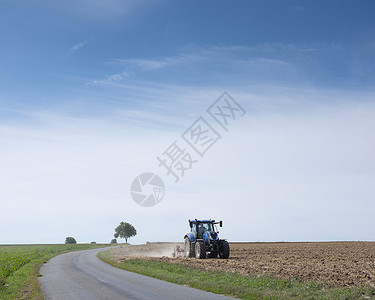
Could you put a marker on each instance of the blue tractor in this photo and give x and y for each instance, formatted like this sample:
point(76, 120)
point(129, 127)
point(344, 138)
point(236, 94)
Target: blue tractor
point(203, 240)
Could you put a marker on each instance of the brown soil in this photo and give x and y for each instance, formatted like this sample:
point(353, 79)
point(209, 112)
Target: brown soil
point(344, 264)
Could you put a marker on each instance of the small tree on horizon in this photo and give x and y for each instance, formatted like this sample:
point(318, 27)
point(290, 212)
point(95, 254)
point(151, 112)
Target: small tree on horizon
point(70, 240)
point(125, 231)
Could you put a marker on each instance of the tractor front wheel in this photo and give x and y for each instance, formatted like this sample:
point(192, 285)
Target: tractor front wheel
point(212, 254)
point(189, 248)
point(200, 250)
point(224, 249)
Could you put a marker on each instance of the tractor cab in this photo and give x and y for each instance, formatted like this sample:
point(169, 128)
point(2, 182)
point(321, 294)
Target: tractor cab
point(198, 228)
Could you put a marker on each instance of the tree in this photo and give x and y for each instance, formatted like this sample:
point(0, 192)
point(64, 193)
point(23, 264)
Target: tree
point(125, 230)
point(70, 240)
point(113, 241)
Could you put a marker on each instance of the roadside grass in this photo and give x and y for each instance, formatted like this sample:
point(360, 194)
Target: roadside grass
point(19, 267)
point(232, 284)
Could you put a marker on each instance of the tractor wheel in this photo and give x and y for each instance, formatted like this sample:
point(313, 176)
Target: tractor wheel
point(213, 254)
point(189, 248)
point(200, 250)
point(224, 249)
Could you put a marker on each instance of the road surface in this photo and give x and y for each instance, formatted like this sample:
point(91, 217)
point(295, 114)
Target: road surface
point(81, 275)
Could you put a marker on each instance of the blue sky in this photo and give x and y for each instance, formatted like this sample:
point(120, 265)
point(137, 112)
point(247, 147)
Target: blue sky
point(92, 91)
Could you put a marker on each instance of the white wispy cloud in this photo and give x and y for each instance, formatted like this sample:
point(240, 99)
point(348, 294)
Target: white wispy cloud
point(77, 47)
point(145, 64)
point(266, 47)
point(222, 57)
point(164, 62)
point(287, 161)
point(295, 64)
point(100, 10)
point(261, 60)
point(133, 66)
point(296, 8)
point(110, 79)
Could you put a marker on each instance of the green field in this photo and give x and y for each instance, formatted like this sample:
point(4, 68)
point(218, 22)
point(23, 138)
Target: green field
point(19, 267)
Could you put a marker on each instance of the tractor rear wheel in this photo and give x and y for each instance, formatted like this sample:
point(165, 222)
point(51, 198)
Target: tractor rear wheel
point(200, 250)
point(189, 248)
point(224, 249)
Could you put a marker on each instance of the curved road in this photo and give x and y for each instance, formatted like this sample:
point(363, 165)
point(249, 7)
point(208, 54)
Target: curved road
point(81, 275)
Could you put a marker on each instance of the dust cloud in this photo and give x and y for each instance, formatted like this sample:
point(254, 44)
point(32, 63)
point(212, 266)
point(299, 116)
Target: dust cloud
point(160, 249)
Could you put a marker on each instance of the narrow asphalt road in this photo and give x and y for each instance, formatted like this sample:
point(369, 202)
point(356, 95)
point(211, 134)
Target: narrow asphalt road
point(81, 275)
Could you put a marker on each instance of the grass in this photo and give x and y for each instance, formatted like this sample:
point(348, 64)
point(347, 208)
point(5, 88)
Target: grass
point(19, 268)
point(232, 284)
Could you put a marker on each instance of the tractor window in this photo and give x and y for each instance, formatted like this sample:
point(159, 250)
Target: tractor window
point(194, 229)
point(199, 228)
point(208, 226)
point(202, 227)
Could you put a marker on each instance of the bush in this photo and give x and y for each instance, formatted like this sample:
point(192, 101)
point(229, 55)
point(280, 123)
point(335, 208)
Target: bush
point(70, 240)
point(113, 241)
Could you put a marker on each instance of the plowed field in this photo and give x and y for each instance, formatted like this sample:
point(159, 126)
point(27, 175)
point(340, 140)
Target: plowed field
point(344, 264)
